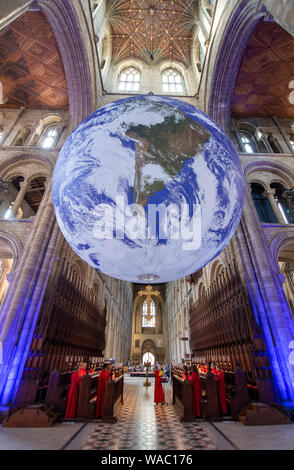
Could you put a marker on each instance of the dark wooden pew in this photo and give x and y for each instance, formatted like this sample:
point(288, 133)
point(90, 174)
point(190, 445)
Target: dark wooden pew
point(26, 395)
point(237, 392)
point(58, 386)
point(113, 399)
point(183, 398)
point(210, 402)
point(87, 396)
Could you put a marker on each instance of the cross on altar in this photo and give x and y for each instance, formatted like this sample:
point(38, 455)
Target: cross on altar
point(149, 292)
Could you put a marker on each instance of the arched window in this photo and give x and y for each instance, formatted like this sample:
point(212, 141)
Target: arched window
point(148, 320)
point(129, 80)
point(22, 137)
point(247, 143)
point(262, 204)
point(49, 137)
point(172, 81)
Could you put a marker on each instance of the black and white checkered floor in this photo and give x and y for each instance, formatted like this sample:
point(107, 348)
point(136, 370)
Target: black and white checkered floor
point(143, 425)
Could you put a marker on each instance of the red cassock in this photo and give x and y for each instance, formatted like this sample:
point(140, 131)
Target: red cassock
point(158, 390)
point(103, 377)
point(195, 380)
point(72, 398)
point(82, 372)
point(213, 370)
point(221, 388)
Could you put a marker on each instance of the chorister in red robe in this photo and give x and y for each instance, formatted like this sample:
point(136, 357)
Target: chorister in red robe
point(195, 380)
point(158, 389)
point(221, 388)
point(72, 398)
point(82, 372)
point(102, 379)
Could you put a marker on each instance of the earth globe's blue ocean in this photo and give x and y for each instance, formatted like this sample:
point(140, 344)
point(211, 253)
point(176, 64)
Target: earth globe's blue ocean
point(148, 189)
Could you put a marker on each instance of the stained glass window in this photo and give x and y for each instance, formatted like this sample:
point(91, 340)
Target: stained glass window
point(148, 321)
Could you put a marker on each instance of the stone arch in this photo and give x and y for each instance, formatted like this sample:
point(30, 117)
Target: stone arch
point(178, 67)
point(46, 122)
point(28, 166)
point(229, 42)
point(74, 41)
point(149, 346)
point(80, 268)
point(279, 241)
point(280, 172)
point(128, 63)
point(25, 173)
point(14, 244)
point(124, 65)
point(159, 312)
point(282, 248)
point(216, 270)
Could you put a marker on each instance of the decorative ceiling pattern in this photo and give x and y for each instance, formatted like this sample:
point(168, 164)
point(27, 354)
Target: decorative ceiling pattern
point(31, 70)
point(152, 30)
point(262, 86)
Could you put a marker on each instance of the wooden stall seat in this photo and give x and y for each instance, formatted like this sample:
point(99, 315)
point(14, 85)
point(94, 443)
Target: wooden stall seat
point(87, 396)
point(113, 398)
point(210, 402)
point(237, 392)
point(183, 398)
point(58, 386)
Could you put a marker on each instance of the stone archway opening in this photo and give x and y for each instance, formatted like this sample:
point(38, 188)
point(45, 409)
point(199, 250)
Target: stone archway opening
point(286, 265)
point(148, 347)
point(148, 357)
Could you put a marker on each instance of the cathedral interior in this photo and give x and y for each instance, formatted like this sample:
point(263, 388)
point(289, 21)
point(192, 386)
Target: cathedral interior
point(60, 60)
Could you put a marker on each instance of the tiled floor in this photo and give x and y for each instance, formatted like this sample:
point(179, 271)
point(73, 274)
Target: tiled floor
point(145, 426)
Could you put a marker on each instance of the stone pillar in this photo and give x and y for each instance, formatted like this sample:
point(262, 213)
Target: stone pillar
point(259, 271)
point(19, 312)
point(270, 194)
point(20, 197)
point(288, 194)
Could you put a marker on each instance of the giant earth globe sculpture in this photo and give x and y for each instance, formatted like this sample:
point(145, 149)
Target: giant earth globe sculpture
point(148, 189)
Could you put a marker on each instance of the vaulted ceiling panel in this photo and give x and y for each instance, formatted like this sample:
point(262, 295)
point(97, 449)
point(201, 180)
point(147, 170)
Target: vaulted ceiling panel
point(262, 86)
point(31, 68)
point(152, 30)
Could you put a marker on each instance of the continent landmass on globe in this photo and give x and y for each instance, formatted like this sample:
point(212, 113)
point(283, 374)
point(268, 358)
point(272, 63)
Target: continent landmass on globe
point(167, 144)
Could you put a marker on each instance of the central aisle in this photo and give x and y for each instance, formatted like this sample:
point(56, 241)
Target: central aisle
point(144, 426)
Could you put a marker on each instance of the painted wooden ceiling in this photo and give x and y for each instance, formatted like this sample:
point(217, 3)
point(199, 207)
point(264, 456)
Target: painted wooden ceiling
point(262, 86)
point(152, 30)
point(31, 69)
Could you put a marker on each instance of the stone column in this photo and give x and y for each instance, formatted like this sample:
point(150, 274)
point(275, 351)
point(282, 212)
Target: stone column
point(20, 197)
point(260, 272)
point(20, 309)
point(270, 194)
point(288, 194)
